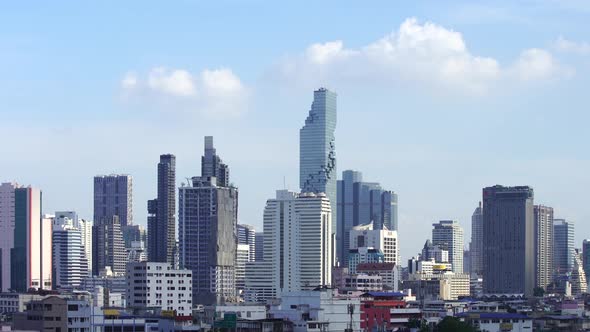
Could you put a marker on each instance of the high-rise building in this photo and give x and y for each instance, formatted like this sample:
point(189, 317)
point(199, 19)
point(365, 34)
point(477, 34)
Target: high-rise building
point(317, 149)
point(6, 232)
point(113, 197)
point(448, 235)
point(161, 212)
point(361, 203)
point(586, 257)
point(543, 245)
point(298, 241)
point(85, 227)
point(436, 252)
point(31, 254)
point(108, 248)
point(242, 257)
point(508, 240)
point(247, 236)
point(207, 216)
point(563, 246)
point(578, 276)
point(212, 165)
point(208, 223)
point(476, 245)
point(382, 239)
point(70, 265)
point(259, 247)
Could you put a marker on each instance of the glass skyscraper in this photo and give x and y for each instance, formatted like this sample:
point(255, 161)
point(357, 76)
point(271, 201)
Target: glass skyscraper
point(563, 246)
point(317, 149)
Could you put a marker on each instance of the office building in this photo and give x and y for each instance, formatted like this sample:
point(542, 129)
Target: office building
point(259, 246)
point(448, 235)
point(363, 255)
point(212, 165)
point(543, 245)
point(317, 149)
point(586, 256)
point(298, 241)
point(578, 277)
point(161, 213)
point(360, 203)
point(31, 255)
point(381, 239)
point(242, 257)
point(435, 252)
point(108, 249)
point(6, 232)
point(113, 197)
point(247, 236)
point(508, 240)
point(476, 244)
point(563, 246)
point(70, 265)
point(159, 285)
point(85, 227)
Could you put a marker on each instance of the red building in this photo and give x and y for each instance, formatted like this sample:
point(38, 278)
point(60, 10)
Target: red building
point(386, 310)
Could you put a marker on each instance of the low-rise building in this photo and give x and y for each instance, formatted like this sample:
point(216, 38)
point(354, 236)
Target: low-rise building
point(151, 284)
point(386, 310)
point(498, 321)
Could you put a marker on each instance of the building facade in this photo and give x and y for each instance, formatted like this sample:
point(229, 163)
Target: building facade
point(259, 246)
point(108, 248)
point(70, 265)
point(543, 245)
point(381, 239)
point(361, 203)
point(161, 213)
point(247, 236)
point(563, 246)
point(317, 149)
point(476, 245)
point(6, 232)
point(508, 240)
point(159, 285)
point(586, 256)
point(448, 235)
point(31, 255)
point(113, 197)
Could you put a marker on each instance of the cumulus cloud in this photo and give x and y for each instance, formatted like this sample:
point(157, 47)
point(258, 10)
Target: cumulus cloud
point(425, 53)
point(568, 46)
point(217, 91)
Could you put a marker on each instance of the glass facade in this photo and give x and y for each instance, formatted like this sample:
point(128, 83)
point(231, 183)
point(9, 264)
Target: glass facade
point(317, 149)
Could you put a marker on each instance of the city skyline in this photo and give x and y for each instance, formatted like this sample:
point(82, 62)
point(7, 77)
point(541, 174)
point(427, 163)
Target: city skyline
point(426, 140)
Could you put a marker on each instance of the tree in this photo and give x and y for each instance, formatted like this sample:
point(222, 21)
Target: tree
point(538, 292)
point(453, 324)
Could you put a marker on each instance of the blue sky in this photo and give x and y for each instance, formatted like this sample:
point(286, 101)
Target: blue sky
point(435, 101)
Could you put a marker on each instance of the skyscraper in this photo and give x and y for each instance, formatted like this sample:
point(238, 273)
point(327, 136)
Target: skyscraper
point(113, 197)
point(85, 227)
point(297, 230)
point(6, 232)
point(247, 236)
point(259, 247)
point(161, 211)
point(361, 203)
point(207, 219)
point(543, 245)
point(212, 165)
point(70, 265)
point(448, 235)
point(108, 248)
point(586, 257)
point(317, 149)
point(476, 245)
point(31, 255)
point(563, 246)
point(508, 240)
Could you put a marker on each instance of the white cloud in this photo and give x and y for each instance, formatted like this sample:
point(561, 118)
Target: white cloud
point(568, 46)
point(212, 91)
point(424, 53)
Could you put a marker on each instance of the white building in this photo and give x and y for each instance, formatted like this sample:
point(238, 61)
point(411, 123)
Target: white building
point(85, 227)
point(151, 284)
point(380, 239)
point(323, 310)
point(448, 285)
point(298, 240)
point(448, 235)
point(6, 231)
point(258, 282)
point(69, 259)
point(242, 257)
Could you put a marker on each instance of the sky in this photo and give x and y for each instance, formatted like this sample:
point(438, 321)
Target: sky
point(436, 100)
